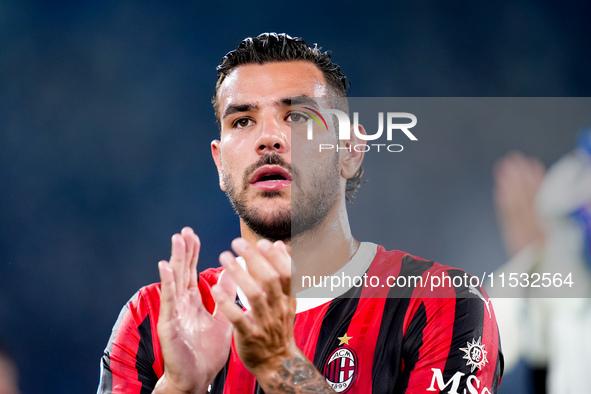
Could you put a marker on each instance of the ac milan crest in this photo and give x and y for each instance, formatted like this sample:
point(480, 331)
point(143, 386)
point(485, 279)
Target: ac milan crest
point(341, 368)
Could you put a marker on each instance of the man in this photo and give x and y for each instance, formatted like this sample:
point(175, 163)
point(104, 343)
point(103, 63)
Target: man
point(545, 221)
point(359, 342)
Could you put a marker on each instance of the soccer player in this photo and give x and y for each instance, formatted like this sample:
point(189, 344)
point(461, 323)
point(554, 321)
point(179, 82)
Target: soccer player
point(188, 335)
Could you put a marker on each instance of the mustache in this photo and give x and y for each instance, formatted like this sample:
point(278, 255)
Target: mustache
point(270, 158)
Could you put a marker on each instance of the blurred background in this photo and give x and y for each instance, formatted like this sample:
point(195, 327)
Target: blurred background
point(105, 124)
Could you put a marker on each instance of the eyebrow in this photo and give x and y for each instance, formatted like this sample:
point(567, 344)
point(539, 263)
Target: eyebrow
point(297, 100)
point(235, 108)
point(300, 100)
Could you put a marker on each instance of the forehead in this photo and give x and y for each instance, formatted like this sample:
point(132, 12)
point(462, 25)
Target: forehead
point(267, 83)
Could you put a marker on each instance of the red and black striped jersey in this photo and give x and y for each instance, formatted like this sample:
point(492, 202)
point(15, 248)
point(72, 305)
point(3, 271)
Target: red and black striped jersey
point(370, 340)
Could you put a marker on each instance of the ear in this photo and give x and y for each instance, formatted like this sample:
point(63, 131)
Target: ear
point(216, 153)
point(352, 156)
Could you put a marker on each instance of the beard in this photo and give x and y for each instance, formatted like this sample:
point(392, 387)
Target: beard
point(309, 205)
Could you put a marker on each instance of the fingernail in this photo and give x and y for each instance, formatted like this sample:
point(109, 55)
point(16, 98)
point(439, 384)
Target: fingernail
point(239, 245)
point(226, 258)
point(264, 245)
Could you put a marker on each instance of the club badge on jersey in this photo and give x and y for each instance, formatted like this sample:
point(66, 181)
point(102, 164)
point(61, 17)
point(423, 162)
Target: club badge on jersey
point(341, 367)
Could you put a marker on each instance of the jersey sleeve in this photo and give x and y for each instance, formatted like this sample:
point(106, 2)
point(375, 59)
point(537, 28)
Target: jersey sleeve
point(132, 362)
point(451, 344)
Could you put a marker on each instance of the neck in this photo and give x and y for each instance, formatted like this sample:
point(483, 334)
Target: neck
point(321, 251)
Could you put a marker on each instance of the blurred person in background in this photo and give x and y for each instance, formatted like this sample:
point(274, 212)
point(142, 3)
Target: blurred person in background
point(545, 223)
point(8, 372)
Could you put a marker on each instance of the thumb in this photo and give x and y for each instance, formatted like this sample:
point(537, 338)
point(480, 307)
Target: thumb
point(226, 293)
point(227, 285)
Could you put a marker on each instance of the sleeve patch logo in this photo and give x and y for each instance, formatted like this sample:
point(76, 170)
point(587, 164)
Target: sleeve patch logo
point(341, 369)
point(475, 354)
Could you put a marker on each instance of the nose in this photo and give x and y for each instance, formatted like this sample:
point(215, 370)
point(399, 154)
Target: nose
point(272, 139)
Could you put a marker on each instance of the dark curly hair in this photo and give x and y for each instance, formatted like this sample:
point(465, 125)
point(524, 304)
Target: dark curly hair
point(273, 47)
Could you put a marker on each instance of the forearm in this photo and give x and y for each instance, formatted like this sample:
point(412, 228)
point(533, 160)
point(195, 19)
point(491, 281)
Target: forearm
point(294, 375)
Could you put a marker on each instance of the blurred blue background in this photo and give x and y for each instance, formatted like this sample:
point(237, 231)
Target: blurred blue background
point(105, 124)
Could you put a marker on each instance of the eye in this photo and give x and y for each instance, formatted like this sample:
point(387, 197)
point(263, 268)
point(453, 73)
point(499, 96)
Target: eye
point(241, 123)
point(297, 117)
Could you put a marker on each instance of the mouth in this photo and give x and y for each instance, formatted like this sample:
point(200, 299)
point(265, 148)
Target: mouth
point(271, 177)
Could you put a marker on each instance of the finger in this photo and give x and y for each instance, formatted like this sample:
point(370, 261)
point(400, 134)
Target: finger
point(502, 172)
point(257, 298)
point(177, 261)
point(227, 285)
point(192, 253)
point(276, 254)
point(226, 307)
point(517, 172)
point(186, 233)
point(167, 291)
point(501, 165)
point(530, 182)
point(193, 266)
point(502, 191)
point(258, 267)
point(535, 174)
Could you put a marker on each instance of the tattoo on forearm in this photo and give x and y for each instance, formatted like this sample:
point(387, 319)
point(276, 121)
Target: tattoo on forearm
point(298, 375)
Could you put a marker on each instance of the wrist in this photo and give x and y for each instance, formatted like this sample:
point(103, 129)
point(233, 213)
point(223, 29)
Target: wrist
point(166, 385)
point(272, 365)
point(281, 366)
point(291, 372)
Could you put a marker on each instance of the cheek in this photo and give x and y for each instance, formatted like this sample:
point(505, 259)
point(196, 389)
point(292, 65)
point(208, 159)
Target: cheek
point(314, 158)
point(316, 168)
point(236, 154)
point(302, 147)
point(232, 152)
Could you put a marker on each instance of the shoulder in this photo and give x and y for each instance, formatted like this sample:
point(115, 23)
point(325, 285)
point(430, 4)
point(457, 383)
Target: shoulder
point(401, 263)
point(436, 293)
point(449, 327)
point(427, 278)
point(408, 262)
point(147, 299)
